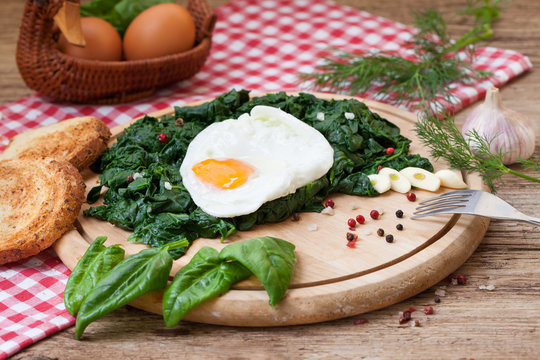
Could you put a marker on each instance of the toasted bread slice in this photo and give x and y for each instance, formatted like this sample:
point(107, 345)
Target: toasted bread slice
point(79, 141)
point(39, 201)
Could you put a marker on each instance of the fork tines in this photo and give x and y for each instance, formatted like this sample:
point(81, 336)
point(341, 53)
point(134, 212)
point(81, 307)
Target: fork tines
point(450, 202)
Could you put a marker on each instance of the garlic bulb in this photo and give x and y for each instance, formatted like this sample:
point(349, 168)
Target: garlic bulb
point(509, 132)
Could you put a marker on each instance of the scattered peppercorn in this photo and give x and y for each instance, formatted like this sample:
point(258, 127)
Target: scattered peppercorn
point(399, 227)
point(351, 240)
point(295, 216)
point(399, 214)
point(407, 315)
point(163, 138)
point(389, 238)
point(380, 232)
point(437, 299)
point(374, 214)
point(411, 196)
point(379, 168)
point(461, 279)
point(179, 122)
point(360, 219)
point(129, 179)
point(329, 203)
point(351, 222)
point(360, 321)
point(428, 310)
point(389, 151)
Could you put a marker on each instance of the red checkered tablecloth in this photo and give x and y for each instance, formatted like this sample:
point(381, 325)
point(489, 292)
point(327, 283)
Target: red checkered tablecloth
point(258, 45)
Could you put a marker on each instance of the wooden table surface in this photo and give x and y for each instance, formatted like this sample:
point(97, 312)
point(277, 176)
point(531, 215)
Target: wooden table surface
point(468, 322)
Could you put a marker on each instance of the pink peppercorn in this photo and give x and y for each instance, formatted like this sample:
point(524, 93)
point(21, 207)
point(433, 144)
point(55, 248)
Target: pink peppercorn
point(351, 223)
point(329, 203)
point(360, 219)
point(389, 151)
point(461, 279)
point(163, 138)
point(374, 214)
point(428, 310)
point(411, 196)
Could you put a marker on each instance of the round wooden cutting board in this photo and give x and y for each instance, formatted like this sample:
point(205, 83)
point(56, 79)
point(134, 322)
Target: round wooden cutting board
point(330, 280)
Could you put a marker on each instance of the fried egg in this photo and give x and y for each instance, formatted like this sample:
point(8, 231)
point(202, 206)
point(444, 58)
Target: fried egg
point(233, 167)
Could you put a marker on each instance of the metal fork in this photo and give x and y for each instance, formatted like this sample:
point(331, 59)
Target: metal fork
point(474, 202)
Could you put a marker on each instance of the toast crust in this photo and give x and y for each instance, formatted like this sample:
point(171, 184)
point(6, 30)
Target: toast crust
point(39, 201)
point(79, 141)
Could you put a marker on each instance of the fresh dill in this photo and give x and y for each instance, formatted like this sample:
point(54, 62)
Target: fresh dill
point(436, 61)
point(441, 135)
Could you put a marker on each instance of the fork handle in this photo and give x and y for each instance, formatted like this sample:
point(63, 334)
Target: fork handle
point(529, 219)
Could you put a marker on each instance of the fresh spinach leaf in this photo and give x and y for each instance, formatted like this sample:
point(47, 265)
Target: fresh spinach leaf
point(135, 276)
point(95, 263)
point(270, 259)
point(204, 277)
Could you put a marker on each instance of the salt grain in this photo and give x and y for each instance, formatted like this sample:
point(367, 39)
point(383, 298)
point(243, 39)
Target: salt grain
point(328, 211)
point(415, 323)
point(353, 206)
point(367, 232)
point(167, 185)
point(349, 116)
point(136, 175)
point(487, 287)
point(379, 210)
point(320, 116)
point(312, 227)
point(440, 292)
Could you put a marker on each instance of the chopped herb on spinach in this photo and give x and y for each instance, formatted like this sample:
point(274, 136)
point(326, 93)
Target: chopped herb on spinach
point(159, 214)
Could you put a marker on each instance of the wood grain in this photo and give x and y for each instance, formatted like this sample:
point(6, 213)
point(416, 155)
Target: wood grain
point(468, 322)
point(374, 272)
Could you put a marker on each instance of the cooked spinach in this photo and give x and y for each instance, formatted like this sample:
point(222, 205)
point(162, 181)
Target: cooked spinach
point(144, 187)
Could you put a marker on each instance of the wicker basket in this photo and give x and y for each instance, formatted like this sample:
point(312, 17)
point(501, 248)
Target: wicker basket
point(66, 78)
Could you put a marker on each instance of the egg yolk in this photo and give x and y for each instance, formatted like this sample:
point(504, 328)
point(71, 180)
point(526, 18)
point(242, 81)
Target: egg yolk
point(224, 174)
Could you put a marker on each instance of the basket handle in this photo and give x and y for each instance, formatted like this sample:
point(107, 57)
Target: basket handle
point(204, 16)
point(68, 20)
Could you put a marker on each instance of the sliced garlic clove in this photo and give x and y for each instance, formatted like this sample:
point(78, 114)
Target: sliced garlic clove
point(381, 183)
point(421, 178)
point(451, 179)
point(398, 182)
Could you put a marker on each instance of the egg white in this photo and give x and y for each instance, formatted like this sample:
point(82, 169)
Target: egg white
point(285, 152)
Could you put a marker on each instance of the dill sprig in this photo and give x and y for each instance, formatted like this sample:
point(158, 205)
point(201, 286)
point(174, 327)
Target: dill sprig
point(440, 134)
point(436, 61)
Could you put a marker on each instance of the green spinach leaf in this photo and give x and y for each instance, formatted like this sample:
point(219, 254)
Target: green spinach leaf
point(204, 277)
point(270, 259)
point(95, 263)
point(135, 276)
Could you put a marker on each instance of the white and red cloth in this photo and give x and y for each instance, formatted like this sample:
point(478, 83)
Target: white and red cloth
point(257, 45)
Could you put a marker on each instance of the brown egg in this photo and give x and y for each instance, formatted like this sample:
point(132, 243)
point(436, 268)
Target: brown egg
point(102, 41)
point(160, 30)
